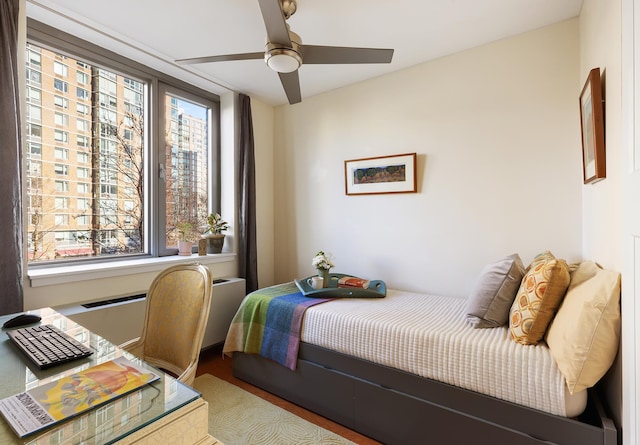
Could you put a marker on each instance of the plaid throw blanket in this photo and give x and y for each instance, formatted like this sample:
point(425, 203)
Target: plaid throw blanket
point(268, 323)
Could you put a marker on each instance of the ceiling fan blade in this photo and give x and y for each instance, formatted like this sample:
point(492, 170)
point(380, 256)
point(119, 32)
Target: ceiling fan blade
point(274, 21)
point(339, 54)
point(225, 58)
point(291, 84)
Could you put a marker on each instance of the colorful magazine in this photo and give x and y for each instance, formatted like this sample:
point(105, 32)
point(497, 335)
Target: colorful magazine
point(43, 406)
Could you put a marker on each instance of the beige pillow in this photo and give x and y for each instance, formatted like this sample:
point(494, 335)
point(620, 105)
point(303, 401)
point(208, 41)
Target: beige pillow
point(541, 292)
point(585, 333)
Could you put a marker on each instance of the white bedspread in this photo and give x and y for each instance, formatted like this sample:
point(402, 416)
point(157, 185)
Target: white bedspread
point(428, 336)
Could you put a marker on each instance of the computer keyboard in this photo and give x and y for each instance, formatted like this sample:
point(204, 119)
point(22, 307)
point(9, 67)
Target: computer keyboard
point(47, 345)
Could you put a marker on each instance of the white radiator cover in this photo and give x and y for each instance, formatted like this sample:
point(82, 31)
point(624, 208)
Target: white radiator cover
point(225, 302)
point(119, 322)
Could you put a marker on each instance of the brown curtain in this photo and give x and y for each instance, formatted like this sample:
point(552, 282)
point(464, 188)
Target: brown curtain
point(247, 249)
point(11, 298)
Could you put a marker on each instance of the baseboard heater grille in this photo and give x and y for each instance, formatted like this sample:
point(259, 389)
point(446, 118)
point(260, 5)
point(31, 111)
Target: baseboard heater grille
point(113, 301)
point(130, 298)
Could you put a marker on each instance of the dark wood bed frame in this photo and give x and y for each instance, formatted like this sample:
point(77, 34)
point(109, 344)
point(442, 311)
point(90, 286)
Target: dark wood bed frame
point(395, 407)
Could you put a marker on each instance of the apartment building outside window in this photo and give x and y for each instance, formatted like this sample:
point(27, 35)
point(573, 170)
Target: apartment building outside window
point(88, 148)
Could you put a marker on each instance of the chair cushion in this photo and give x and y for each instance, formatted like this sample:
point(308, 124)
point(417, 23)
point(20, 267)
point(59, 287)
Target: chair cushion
point(585, 333)
point(489, 302)
point(538, 298)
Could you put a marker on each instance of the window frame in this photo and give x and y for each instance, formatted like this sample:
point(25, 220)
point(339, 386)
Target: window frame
point(53, 39)
point(213, 160)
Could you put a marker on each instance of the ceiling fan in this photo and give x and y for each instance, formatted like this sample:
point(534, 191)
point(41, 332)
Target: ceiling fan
point(285, 52)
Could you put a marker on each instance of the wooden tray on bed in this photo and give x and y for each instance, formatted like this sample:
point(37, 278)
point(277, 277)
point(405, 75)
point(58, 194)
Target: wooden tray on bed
point(377, 289)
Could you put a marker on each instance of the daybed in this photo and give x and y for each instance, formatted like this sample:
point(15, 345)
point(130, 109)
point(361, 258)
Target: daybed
point(412, 368)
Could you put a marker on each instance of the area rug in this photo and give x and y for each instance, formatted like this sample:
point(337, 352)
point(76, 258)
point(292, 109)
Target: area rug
point(237, 417)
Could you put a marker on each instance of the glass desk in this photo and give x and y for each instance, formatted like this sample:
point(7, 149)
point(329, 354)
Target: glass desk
point(165, 411)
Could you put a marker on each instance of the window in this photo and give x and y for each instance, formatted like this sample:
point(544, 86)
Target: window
point(61, 169)
point(61, 102)
point(103, 192)
point(82, 141)
point(62, 186)
point(82, 77)
point(34, 95)
point(60, 85)
point(34, 132)
point(82, 93)
point(83, 157)
point(61, 202)
point(34, 113)
point(187, 162)
point(61, 153)
point(61, 136)
point(107, 101)
point(82, 108)
point(62, 220)
point(33, 57)
point(34, 150)
point(83, 220)
point(82, 125)
point(61, 119)
point(83, 204)
point(83, 172)
point(34, 77)
point(60, 69)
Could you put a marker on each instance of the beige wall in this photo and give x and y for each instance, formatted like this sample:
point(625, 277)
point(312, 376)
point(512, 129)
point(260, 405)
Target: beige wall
point(496, 130)
point(263, 141)
point(600, 30)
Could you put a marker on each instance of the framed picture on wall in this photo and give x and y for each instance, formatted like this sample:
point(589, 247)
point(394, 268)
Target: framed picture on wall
point(382, 174)
point(592, 125)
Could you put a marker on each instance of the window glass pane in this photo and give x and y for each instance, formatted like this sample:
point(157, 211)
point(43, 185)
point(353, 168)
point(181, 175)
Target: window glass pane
point(34, 95)
point(60, 101)
point(60, 85)
point(34, 113)
point(61, 153)
point(76, 191)
point(187, 172)
point(60, 69)
point(61, 119)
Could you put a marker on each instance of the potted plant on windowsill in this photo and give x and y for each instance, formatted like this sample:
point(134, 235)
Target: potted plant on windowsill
point(214, 235)
point(185, 240)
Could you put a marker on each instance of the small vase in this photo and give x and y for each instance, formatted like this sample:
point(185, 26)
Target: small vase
point(184, 247)
point(324, 273)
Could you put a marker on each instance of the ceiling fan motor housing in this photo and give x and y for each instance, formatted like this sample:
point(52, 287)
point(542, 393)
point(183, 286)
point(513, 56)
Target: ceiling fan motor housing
point(282, 57)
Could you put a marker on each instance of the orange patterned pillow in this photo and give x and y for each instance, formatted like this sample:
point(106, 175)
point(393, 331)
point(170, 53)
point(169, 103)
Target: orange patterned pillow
point(540, 294)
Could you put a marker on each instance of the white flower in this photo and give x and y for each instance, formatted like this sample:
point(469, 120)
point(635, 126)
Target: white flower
point(321, 261)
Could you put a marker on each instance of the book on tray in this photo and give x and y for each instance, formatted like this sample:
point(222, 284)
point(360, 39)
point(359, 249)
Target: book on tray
point(353, 282)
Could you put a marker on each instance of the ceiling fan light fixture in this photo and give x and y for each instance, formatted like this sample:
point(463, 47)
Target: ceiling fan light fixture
point(283, 60)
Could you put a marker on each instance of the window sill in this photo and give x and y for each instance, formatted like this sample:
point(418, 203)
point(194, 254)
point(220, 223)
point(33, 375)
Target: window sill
point(83, 272)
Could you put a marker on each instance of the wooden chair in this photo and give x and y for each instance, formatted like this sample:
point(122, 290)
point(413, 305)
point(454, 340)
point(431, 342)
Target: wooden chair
point(178, 303)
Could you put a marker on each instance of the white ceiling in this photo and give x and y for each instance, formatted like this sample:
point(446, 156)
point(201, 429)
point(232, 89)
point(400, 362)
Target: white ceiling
point(418, 31)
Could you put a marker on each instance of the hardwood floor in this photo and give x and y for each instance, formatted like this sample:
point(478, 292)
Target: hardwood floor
point(212, 362)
